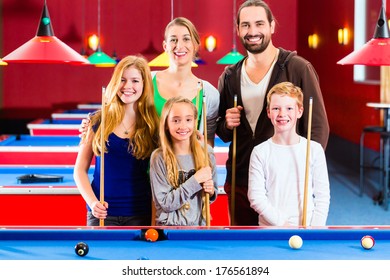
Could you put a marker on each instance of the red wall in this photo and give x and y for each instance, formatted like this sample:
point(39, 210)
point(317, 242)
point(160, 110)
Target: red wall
point(345, 100)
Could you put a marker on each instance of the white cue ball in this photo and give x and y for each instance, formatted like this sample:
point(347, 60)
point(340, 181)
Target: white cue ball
point(367, 242)
point(295, 242)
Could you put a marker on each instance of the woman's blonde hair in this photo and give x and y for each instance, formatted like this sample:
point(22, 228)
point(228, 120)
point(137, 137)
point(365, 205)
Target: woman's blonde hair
point(145, 137)
point(166, 143)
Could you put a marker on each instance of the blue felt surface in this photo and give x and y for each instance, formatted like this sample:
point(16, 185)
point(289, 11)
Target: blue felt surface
point(220, 244)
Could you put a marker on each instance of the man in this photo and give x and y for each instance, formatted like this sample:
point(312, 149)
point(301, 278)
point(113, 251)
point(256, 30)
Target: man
point(250, 80)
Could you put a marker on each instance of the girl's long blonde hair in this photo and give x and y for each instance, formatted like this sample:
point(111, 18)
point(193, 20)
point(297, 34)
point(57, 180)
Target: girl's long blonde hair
point(166, 144)
point(145, 137)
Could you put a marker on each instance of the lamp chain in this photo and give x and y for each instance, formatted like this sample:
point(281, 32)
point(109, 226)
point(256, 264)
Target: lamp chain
point(172, 10)
point(99, 20)
point(234, 26)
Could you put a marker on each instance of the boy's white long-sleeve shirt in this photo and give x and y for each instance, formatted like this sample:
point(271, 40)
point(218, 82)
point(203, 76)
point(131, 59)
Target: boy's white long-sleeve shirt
point(277, 179)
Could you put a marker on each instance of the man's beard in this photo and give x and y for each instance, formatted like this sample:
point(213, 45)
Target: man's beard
point(255, 49)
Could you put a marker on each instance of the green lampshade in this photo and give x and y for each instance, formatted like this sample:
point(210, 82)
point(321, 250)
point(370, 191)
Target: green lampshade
point(100, 59)
point(231, 58)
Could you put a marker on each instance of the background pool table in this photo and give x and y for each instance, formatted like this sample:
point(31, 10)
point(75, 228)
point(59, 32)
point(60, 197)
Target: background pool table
point(38, 150)
point(72, 114)
point(89, 106)
point(39, 203)
point(47, 127)
point(57, 149)
point(193, 244)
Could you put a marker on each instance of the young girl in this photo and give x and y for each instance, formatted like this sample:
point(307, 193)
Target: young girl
point(130, 135)
point(277, 167)
point(178, 173)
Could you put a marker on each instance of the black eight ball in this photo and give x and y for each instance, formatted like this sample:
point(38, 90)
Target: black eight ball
point(81, 249)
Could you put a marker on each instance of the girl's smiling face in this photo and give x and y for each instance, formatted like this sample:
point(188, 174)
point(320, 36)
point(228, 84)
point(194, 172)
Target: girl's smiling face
point(132, 85)
point(181, 122)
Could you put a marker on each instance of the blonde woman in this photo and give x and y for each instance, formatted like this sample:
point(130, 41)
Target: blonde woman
point(181, 43)
point(130, 135)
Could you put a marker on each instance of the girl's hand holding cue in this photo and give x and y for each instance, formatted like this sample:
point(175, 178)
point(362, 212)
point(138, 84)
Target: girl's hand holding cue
point(204, 174)
point(208, 187)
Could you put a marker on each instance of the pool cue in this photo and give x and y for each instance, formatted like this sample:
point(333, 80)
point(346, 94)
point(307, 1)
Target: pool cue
point(200, 85)
point(304, 222)
point(233, 186)
point(102, 145)
point(206, 158)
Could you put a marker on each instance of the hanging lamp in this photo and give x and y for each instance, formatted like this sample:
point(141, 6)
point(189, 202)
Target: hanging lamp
point(162, 60)
point(234, 56)
point(99, 58)
point(375, 52)
point(45, 47)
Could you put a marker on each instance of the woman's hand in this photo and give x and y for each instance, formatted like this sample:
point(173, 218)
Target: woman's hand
point(99, 210)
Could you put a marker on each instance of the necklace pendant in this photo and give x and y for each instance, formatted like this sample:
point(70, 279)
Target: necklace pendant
point(126, 132)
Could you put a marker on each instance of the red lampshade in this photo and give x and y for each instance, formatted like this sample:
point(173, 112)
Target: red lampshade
point(375, 52)
point(45, 47)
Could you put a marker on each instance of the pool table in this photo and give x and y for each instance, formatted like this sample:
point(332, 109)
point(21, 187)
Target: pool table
point(72, 114)
point(41, 200)
point(37, 204)
point(28, 150)
point(214, 243)
point(47, 127)
point(89, 106)
point(56, 149)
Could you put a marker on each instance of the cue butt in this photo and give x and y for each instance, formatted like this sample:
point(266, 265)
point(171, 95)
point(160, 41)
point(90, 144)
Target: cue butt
point(102, 148)
point(233, 186)
point(206, 155)
point(306, 186)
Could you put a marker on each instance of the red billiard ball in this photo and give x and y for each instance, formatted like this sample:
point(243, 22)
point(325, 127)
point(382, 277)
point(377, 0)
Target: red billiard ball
point(81, 249)
point(151, 235)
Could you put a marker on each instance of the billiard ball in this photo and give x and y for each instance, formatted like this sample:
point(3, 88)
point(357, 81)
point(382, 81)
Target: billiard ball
point(151, 235)
point(367, 242)
point(81, 249)
point(295, 242)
